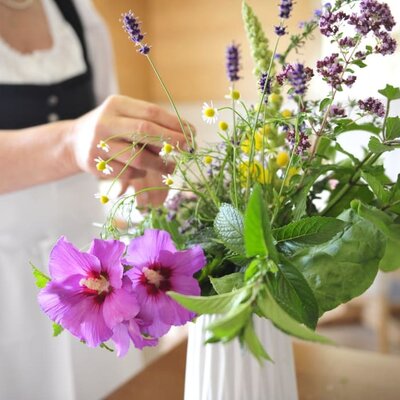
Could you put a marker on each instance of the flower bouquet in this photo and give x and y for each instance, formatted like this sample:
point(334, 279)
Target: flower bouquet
point(276, 220)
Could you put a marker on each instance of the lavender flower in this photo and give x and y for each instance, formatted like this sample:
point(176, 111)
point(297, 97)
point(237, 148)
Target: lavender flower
point(131, 25)
point(280, 30)
point(297, 75)
point(328, 23)
point(232, 62)
point(285, 8)
point(157, 268)
point(264, 84)
point(374, 106)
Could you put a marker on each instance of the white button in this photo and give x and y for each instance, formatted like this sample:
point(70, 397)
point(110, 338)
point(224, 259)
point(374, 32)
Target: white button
point(52, 100)
point(52, 117)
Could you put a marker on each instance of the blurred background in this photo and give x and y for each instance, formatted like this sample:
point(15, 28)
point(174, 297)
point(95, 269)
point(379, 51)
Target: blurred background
point(188, 40)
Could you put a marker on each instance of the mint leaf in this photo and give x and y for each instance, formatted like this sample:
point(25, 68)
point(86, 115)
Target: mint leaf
point(253, 343)
point(375, 146)
point(218, 304)
point(270, 309)
point(41, 279)
point(325, 103)
point(390, 92)
point(293, 294)
point(392, 128)
point(257, 227)
point(379, 190)
point(312, 230)
point(229, 227)
point(230, 325)
point(228, 283)
point(347, 125)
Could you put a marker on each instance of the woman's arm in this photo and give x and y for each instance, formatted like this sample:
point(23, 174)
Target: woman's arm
point(50, 152)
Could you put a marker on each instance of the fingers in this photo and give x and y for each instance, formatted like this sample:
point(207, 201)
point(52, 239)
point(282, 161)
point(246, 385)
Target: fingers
point(130, 172)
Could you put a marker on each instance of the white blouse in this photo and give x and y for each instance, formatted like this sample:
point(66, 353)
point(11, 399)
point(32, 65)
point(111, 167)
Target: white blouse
point(62, 61)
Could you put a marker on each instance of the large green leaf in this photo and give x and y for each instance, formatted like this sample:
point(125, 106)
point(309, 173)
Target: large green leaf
point(227, 283)
point(346, 125)
point(229, 227)
point(257, 227)
point(344, 267)
point(270, 309)
point(312, 230)
point(375, 146)
point(218, 304)
point(293, 294)
point(377, 187)
point(390, 229)
point(392, 128)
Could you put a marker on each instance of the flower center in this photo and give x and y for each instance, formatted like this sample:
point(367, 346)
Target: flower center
point(99, 285)
point(153, 277)
point(209, 112)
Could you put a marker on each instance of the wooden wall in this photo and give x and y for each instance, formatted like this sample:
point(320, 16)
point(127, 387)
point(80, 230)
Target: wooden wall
point(188, 39)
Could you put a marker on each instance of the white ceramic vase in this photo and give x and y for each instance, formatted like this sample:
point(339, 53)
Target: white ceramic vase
point(228, 372)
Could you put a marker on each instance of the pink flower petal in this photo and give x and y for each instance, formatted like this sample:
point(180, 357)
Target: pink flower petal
point(172, 313)
point(66, 260)
point(121, 339)
point(185, 262)
point(144, 250)
point(109, 252)
point(185, 285)
point(137, 338)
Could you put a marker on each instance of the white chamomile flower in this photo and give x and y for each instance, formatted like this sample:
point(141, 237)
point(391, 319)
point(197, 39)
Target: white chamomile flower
point(103, 146)
point(166, 150)
point(233, 94)
point(103, 166)
point(209, 113)
point(102, 198)
point(168, 180)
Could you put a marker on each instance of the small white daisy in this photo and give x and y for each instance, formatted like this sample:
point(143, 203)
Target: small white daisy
point(209, 113)
point(102, 198)
point(233, 94)
point(103, 166)
point(168, 180)
point(103, 146)
point(166, 150)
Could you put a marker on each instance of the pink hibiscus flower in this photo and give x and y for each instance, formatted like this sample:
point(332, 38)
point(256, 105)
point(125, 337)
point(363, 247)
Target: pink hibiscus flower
point(85, 294)
point(157, 268)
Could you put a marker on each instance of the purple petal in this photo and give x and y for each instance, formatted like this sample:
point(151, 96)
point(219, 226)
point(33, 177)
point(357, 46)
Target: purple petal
point(137, 338)
point(66, 260)
point(185, 262)
point(144, 250)
point(185, 285)
point(119, 305)
point(172, 313)
point(109, 252)
point(121, 339)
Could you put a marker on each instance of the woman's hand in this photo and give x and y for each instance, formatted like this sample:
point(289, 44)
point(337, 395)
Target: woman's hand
point(119, 121)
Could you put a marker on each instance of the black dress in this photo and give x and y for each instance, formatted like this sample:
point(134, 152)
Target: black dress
point(24, 105)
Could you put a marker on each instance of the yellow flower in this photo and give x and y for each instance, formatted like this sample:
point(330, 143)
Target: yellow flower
point(256, 172)
point(258, 143)
point(265, 130)
point(102, 198)
point(286, 113)
point(282, 159)
point(233, 94)
point(166, 149)
point(208, 160)
point(275, 99)
point(223, 126)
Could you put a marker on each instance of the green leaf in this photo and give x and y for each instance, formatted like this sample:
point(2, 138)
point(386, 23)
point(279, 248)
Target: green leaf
point(228, 283)
point(390, 92)
point(230, 325)
point(105, 347)
point(218, 304)
point(257, 227)
point(359, 63)
point(270, 309)
point(390, 260)
point(379, 190)
point(253, 343)
point(41, 279)
point(347, 125)
point(293, 294)
point(375, 146)
point(311, 230)
point(344, 267)
point(253, 269)
point(325, 103)
point(57, 329)
point(229, 227)
point(392, 128)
